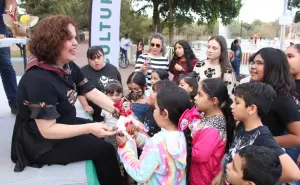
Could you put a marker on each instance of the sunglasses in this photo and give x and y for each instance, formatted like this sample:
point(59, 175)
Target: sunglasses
point(157, 45)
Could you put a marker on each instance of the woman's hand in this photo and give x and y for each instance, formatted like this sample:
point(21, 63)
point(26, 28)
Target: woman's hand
point(101, 130)
point(178, 67)
point(145, 68)
point(121, 139)
point(89, 109)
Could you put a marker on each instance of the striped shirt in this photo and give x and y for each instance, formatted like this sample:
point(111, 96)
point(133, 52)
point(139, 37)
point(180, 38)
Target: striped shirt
point(156, 63)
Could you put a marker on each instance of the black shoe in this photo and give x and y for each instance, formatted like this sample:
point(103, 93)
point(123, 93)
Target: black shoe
point(13, 109)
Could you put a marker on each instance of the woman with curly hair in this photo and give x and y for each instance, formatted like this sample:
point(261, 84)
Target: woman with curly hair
point(46, 129)
point(183, 61)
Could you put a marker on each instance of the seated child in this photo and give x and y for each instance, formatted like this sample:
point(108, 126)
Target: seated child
point(136, 83)
point(254, 165)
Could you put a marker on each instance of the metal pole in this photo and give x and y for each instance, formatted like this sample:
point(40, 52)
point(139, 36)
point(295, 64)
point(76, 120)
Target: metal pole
point(241, 28)
point(283, 27)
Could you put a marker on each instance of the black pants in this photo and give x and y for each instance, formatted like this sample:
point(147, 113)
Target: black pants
point(87, 147)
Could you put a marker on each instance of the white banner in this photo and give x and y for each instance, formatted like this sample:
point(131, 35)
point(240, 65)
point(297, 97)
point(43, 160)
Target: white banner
point(105, 28)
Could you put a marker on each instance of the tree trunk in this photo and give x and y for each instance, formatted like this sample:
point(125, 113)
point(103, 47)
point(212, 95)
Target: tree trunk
point(171, 23)
point(155, 18)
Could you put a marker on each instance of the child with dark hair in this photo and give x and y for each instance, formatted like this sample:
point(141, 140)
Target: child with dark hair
point(255, 165)
point(189, 84)
point(252, 102)
point(166, 156)
point(98, 73)
point(136, 83)
point(149, 122)
point(213, 133)
point(159, 74)
point(114, 91)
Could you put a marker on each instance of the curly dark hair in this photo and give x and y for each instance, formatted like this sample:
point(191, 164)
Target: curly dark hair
point(188, 54)
point(48, 37)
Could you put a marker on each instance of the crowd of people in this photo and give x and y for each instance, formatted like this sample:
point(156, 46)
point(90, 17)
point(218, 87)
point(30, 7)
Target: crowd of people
point(202, 127)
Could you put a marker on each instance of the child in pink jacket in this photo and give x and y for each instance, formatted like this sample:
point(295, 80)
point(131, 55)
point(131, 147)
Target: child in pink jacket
point(211, 133)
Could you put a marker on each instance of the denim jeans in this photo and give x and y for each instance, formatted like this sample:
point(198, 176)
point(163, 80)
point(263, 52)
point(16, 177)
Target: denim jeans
point(236, 65)
point(124, 52)
point(293, 153)
point(8, 74)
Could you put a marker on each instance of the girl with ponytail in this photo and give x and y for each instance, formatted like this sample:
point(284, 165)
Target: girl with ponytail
point(166, 156)
point(212, 130)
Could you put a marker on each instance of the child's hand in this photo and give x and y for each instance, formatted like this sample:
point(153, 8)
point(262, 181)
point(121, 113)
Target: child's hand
point(89, 109)
point(121, 139)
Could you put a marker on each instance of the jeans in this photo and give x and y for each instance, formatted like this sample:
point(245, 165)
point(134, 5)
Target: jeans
point(124, 52)
point(236, 65)
point(8, 74)
point(293, 153)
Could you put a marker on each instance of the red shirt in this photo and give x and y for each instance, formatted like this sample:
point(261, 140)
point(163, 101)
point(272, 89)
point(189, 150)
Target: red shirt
point(140, 48)
point(182, 63)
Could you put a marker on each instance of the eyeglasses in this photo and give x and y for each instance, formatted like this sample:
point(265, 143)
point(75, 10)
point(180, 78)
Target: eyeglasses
point(257, 63)
point(157, 45)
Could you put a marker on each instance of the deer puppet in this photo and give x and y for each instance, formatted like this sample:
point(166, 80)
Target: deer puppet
point(20, 29)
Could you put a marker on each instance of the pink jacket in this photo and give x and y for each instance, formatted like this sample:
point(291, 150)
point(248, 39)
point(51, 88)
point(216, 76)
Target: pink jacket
point(209, 143)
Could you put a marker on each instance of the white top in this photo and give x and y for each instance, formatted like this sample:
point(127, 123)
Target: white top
point(108, 118)
point(156, 63)
point(124, 42)
point(7, 42)
point(205, 70)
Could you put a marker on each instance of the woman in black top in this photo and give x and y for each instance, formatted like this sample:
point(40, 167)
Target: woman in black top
point(271, 66)
point(46, 129)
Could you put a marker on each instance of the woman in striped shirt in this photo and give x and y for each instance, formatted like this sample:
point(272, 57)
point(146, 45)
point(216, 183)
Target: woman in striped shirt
point(154, 59)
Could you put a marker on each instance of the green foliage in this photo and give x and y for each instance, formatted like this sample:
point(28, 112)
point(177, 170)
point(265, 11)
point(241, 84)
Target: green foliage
point(78, 9)
point(297, 17)
point(256, 27)
point(138, 27)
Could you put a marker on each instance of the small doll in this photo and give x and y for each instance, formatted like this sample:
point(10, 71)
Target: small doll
point(127, 123)
point(190, 118)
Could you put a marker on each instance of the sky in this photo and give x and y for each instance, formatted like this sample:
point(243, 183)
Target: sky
point(264, 10)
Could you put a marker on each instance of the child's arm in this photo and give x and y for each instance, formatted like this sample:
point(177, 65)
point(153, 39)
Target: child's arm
point(139, 169)
point(206, 140)
point(141, 139)
point(290, 171)
point(85, 105)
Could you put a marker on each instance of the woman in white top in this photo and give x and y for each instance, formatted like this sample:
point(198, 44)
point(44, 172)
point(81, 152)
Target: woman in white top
point(154, 59)
point(217, 64)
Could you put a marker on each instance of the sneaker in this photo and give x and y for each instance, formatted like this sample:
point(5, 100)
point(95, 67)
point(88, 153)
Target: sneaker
point(13, 109)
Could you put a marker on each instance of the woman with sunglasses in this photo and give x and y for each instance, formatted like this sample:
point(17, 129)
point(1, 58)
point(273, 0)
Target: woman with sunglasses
point(217, 64)
point(154, 59)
